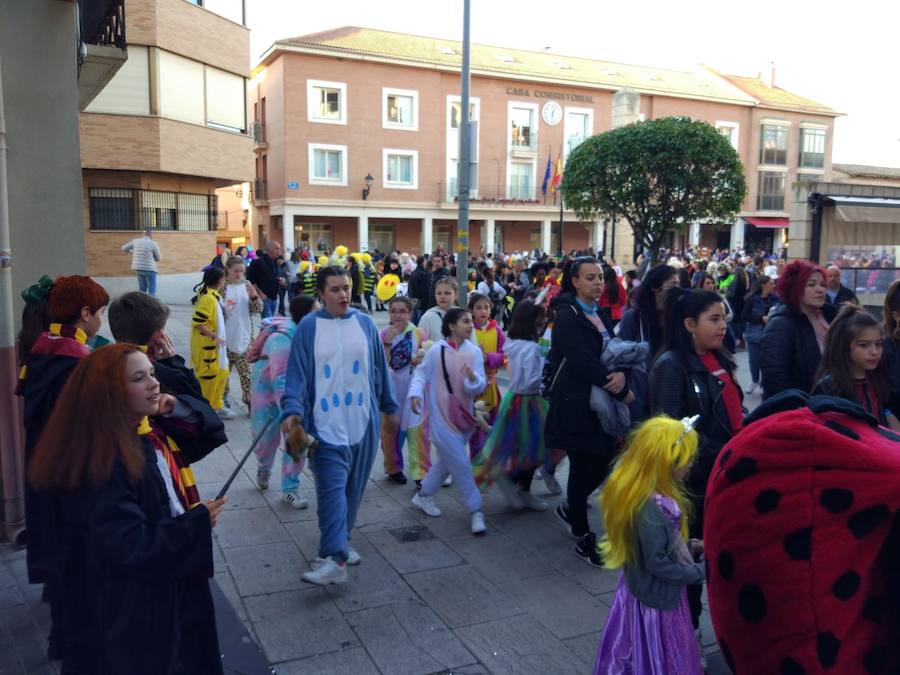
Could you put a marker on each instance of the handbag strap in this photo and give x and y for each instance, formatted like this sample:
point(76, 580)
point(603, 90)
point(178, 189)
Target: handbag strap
point(444, 368)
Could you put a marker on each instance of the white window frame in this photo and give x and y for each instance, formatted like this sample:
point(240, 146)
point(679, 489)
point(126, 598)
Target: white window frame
point(411, 93)
point(535, 122)
point(567, 131)
point(312, 147)
point(452, 147)
point(312, 102)
point(736, 127)
point(389, 185)
point(818, 127)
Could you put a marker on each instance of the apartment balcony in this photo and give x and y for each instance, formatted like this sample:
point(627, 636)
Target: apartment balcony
point(516, 195)
point(258, 132)
point(101, 45)
point(523, 142)
point(260, 190)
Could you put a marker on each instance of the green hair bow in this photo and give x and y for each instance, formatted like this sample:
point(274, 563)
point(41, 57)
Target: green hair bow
point(34, 294)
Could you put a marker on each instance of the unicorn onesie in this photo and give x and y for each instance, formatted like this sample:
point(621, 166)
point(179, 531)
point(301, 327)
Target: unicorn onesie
point(337, 381)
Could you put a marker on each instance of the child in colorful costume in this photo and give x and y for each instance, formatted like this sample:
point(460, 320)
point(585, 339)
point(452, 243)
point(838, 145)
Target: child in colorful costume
point(208, 345)
point(268, 357)
point(489, 337)
point(403, 349)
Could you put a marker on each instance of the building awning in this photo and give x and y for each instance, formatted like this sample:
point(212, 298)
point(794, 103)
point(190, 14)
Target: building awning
point(770, 222)
point(865, 209)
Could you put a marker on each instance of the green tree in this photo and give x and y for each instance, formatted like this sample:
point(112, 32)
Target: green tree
point(659, 175)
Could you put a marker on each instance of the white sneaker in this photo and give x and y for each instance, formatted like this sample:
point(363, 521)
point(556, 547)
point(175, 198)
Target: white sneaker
point(327, 572)
point(478, 526)
point(529, 501)
point(510, 493)
point(448, 481)
point(550, 482)
point(353, 558)
point(698, 634)
point(262, 480)
point(294, 500)
point(226, 413)
point(426, 504)
point(753, 388)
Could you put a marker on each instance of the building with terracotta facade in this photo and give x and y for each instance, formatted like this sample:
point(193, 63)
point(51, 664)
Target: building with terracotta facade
point(329, 110)
point(162, 136)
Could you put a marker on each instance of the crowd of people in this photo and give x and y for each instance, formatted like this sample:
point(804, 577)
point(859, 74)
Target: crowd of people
point(631, 376)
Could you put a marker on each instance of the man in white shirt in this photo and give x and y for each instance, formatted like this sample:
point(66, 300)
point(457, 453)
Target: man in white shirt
point(144, 256)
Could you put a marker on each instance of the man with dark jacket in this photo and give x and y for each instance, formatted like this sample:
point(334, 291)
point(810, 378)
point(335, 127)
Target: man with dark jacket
point(264, 274)
point(835, 292)
point(418, 288)
point(438, 271)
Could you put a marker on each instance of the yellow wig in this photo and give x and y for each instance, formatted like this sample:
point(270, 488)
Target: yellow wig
point(340, 251)
point(655, 451)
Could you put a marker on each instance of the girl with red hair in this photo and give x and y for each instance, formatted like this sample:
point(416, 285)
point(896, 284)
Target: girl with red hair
point(136, 542)
point(794, 337)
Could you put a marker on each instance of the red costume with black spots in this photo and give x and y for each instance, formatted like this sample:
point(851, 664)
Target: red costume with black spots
point(800, 540)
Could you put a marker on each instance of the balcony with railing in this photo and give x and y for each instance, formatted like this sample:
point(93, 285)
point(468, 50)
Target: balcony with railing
point(523, 141)
point(258, 132)
point(101, 45)
point(520, 194)
point(260, 190)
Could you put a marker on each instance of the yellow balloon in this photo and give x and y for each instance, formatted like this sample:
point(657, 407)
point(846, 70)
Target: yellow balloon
point(304, 265)
point(366, 258)
point(356, 256)
point(387, 287)
point(340, 251)
point(323, 260)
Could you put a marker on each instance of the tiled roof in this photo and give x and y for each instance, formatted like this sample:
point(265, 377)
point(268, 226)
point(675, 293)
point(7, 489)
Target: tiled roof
point(864, 171)
point(776, 97)
point(503, 62)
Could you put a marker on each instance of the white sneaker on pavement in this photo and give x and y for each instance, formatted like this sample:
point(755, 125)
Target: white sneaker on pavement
point(478, 526)
point(509, 492)
point(226, 413)
point(529, 501)
point(327, 572)
point(262, 480)
point(291, 497)
point(426, 504)
point(550, 482)
point(353, 558)
point(448, 481)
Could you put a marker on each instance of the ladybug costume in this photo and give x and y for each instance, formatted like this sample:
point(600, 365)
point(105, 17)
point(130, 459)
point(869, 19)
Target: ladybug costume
point(801, 540)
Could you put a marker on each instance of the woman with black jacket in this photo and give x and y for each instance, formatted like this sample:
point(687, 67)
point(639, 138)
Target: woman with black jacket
point(579, 335)
point(694, 375)
point(754, 317)
point(794, 337)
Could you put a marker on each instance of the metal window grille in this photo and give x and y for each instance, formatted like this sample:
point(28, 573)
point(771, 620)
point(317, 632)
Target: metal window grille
point(127, 209)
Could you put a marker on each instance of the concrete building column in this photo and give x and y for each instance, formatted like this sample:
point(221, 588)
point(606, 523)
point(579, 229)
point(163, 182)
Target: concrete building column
point(695, 234)
point(363, 233)
point(597, 236)
point(545, 236)
point(427, 235)
point(489, 232)
point(287, 228)
point(737, 234)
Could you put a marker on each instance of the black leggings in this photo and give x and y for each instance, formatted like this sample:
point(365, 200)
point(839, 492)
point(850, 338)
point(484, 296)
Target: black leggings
point(587, 470)
point(696, 487)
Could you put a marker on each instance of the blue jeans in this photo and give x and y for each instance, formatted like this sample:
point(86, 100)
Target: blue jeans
point(146, 281)
point(269, 307)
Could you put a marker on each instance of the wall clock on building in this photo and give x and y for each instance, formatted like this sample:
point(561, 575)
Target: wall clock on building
point(551, 113)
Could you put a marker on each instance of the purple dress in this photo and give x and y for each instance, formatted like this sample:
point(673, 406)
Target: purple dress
point(639, 640)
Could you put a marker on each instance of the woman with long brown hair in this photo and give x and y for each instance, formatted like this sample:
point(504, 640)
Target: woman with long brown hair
point(136, 541)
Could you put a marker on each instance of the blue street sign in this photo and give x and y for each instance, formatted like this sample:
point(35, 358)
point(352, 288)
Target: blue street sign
point(293, 185)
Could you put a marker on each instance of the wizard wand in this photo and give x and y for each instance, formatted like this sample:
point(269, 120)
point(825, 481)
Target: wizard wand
point(244, 459)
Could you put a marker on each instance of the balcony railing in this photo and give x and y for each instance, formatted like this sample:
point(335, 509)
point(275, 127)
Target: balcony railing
point(258, 132)
point(129, 209)
point(523, 140)
point(517, 194)
point(102, 22)
point(260, 189)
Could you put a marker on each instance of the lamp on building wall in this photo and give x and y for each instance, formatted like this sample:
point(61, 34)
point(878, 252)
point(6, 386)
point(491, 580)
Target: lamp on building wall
point(369, 180)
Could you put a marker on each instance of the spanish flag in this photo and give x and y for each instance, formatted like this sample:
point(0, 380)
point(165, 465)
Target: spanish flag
point(557, 173)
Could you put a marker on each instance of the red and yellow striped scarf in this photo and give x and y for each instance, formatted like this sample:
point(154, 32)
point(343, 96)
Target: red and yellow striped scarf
point(182, 474)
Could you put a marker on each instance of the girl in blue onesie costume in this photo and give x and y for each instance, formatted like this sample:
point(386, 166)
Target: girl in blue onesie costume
point(337, 382)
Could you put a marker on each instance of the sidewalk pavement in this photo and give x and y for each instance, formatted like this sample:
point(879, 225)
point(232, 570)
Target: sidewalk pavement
point(428, 597)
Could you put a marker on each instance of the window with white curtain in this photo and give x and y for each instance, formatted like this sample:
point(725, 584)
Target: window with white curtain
point(224, 99)
point(400, 169)
point(180, 88)
point(128, 92)
point(327, 164)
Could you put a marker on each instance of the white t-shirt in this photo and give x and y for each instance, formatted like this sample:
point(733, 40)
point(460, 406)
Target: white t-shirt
point(237, 317)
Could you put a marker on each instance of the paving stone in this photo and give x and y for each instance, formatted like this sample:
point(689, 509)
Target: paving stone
point(500, 559)
point(287, 513)
point(461, 596)
point(10, 593)
point(346, 662)
point(298, 624)
point(243, 494)
point(595, 580)
point(378, 508)
point(267, 568)
point(33, 654)
point(519, 645)
point(585, 648)
point(305, 534)
point(390, 647)
point(430, 633)
point(216, 467)
point(249, 527)
point(373, 583)
point(416, 556)
point(230, 591)
point(572, 611)
point(534, 531)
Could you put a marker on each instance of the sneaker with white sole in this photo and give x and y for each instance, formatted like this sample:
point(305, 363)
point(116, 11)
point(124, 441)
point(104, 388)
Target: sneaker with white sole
point(426, 504)
point(262, 480)
point(530, 502)
point(295, 500)
point(448, 481)
point(562, 512)
point(478, 525)
point(586, 549)
point(226, 413)
point(353, 558)
point(509, 492)
point(327, 572)
point(550, 482)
